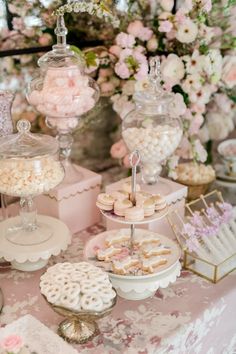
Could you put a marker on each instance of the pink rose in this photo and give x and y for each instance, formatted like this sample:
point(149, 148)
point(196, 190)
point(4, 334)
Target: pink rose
point(180, 16)
point(229, 71)
point(115, 50)
point(165, 26)
point(125, 40)
point(12, 343)
point(135, 28)
point(45, 39)
point(118, 150)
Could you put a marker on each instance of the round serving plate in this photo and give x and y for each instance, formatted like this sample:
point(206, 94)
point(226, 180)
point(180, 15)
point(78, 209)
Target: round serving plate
point(156, 216)
point(222, 175)
point(34, 257)
point(137, 287)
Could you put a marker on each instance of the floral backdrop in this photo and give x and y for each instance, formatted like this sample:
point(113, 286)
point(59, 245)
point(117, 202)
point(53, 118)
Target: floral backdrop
point(195, 39)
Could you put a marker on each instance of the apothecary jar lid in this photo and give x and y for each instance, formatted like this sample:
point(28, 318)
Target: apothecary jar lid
point(24, 144)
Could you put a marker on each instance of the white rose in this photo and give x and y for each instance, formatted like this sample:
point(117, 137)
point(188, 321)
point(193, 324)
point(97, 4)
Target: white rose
point(167, 5)
point(172, 68)
point(187, 32)
point(229, 71)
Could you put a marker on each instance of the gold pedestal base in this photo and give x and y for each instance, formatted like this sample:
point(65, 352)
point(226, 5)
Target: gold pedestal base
point(78, 331)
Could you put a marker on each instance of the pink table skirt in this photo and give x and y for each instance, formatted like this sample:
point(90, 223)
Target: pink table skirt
point(190, 316)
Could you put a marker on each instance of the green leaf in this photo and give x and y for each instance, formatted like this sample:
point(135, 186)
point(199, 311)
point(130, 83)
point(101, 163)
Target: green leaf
point(233, 98)
point(90, 58)
point(178, 89)
point(203, 49)
point(76, 50)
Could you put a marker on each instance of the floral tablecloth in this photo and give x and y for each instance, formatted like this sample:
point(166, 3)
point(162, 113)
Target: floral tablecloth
point(190, 316)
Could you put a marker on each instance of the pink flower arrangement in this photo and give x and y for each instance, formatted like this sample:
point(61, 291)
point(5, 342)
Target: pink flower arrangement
point(12, 344)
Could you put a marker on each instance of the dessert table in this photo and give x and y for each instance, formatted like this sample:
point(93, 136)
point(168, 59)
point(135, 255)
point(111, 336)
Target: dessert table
point(190, 316)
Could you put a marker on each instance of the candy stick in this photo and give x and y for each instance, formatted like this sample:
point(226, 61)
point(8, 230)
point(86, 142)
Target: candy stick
point(220, 243)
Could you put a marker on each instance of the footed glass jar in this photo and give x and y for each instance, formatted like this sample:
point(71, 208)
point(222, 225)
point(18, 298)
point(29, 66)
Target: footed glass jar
point(29, 166)
point(149, 128)
point(63, 93)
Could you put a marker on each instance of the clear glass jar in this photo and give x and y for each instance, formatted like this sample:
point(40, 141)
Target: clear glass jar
point(149, 128)
point(29, 166)
point(63, 93)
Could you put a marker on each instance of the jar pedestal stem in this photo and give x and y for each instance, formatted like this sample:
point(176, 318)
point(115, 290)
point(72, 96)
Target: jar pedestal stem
point(27, 231)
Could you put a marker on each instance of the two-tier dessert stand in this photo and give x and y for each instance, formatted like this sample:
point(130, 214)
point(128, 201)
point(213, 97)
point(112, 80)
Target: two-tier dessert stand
point(137, 287)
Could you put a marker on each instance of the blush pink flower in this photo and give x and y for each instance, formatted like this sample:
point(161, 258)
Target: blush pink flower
point(126, 161)
point(125, 40)
point(107, 88)
point(165, 26)
point(45, 39)
point(115, 50)
point(180, 16)
point(195, 124)
point(12, 343)
point(118, 150)
point(145, 34)
point(122, 70)
point(135, 28)
point(229, 71)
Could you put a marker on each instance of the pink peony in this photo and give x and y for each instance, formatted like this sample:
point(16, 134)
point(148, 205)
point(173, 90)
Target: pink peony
point(45, 39)
point(122, 70)
point(135, 28)
point(165, 26)
point(115, 50)
point(118, 150)
point(12, 343)
point(125, 40)
point(180, 16)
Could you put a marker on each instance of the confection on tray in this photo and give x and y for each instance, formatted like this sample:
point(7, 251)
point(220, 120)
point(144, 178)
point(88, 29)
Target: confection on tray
point(77, 287)
point(120, 202)
point(148, 253)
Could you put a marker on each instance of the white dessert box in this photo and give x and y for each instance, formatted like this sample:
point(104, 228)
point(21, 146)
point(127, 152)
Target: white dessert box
point(74, 204)
point(174, 193)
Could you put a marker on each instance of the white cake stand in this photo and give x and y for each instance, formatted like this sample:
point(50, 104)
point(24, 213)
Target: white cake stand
point(34, 257)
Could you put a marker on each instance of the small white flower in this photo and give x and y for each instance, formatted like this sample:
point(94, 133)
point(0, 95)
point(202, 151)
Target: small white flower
point(193, 82)
point(187, 32)
point(172, 68)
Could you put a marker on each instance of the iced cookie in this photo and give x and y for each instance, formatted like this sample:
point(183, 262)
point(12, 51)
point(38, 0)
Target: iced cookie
point(152, 250)
point(149, 265)
point(123, 267)
point(107, 253)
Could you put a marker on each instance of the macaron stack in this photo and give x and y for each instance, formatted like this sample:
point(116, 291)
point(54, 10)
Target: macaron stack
point(119, 202)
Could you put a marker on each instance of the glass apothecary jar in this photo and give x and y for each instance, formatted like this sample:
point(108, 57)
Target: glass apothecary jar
point(150, 128)
point(62, 92)
point(29, 166)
